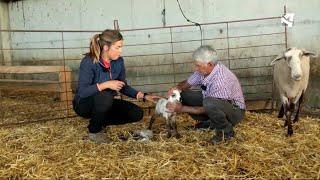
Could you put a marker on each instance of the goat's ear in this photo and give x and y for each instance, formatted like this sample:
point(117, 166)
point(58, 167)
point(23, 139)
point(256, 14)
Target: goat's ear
point(307, 53)
point(279, 57)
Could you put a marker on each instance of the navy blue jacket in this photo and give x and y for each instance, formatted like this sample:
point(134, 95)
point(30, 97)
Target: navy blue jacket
point(92, 73)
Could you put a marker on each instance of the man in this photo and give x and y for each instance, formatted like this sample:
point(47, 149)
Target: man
point(221, 101)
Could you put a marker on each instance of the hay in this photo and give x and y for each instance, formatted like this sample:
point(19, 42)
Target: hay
point(60, 149)
point(19, 107)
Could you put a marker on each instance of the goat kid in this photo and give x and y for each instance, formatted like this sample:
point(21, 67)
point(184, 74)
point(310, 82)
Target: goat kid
point(161, 110)
point(291, 76)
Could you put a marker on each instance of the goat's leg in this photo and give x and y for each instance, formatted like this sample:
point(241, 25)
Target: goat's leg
point(288, 117)
point(173, 123)
point(168, 127)
point(296, 118)
point(281, 112)
point(152, 119)
point(285, 110)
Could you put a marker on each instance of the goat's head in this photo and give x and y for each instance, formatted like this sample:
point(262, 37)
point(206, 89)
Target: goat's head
point(293, 57)
point(175, 96)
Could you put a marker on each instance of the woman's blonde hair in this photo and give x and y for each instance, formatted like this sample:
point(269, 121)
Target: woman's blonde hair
point(98, 41)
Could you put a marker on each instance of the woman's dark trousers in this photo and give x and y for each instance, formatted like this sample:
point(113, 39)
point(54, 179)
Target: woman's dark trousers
point(103, 109)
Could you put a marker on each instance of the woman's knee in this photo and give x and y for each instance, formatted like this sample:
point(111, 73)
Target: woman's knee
point(137, 114)
point(103, 101)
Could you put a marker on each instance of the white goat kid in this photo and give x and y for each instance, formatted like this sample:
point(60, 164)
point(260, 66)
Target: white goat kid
point(291, 76)
point(161, 109)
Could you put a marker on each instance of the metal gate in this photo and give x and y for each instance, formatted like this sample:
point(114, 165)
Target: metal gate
point(156, 59)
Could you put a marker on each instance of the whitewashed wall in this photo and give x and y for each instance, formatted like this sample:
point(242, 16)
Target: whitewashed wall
point(99, 14)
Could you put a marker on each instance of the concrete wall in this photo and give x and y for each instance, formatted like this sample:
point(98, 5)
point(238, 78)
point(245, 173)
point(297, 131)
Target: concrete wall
point(5, 40)
point(134, 14)
point(99, 14)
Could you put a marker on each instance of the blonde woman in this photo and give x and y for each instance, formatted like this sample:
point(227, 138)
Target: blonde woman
point(102, 75)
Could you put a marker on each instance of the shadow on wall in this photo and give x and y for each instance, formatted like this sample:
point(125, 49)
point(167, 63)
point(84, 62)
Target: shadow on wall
point(315, 66)
point(312, 99)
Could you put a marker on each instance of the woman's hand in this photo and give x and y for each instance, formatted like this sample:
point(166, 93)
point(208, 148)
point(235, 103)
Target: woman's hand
point(148, 97)
point(152, 98)
point(112, 84)
point(140, 95)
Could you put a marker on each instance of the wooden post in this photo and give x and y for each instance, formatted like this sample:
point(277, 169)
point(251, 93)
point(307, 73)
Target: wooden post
point(65, 85)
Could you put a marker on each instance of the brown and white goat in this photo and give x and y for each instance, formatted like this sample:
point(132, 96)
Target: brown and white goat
point(161, 110)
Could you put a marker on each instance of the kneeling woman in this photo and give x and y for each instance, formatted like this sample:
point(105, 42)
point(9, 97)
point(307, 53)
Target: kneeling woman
point(101, 76)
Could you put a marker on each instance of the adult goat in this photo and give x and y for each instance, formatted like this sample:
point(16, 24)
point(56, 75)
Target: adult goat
point(291, 76)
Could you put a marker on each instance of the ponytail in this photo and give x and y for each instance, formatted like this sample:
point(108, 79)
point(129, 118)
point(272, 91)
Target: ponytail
point(95, 49)
point(98, 41)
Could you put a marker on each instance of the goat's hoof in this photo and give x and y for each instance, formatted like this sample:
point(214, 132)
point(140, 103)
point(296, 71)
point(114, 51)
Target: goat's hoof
point(290, 133)
point(280, 116)
point(178, 136)
point(168, 135)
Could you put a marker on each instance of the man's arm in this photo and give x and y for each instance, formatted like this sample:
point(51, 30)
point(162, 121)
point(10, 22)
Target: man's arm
point(193, 109)
point(178, 107)
point(183, 85)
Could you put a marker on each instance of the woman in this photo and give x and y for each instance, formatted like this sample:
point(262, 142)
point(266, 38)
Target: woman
point(101, 76)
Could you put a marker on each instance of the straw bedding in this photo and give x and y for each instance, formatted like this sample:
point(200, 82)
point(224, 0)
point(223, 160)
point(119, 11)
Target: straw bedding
point(60, 149)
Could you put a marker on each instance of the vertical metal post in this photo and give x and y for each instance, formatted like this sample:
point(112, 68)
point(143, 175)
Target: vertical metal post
point(2, 112)
point(273, 101)
point(285, 28)
point(65, 77)
point(116, 25)
point(173, 62)
point(228, 45)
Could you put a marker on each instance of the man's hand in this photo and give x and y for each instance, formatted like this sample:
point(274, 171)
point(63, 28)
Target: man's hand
point(182, 86)
point(174, 106)
point(170, 92)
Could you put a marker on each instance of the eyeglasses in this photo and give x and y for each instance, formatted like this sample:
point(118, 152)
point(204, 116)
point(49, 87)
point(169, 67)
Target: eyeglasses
point(203, 87)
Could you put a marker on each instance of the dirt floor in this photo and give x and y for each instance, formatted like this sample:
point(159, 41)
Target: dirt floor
point(60, 149)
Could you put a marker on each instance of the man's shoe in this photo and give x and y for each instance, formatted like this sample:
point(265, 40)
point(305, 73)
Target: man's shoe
point(104, 129)
point(99, 138)
point(222, 136)
point(202, 124)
